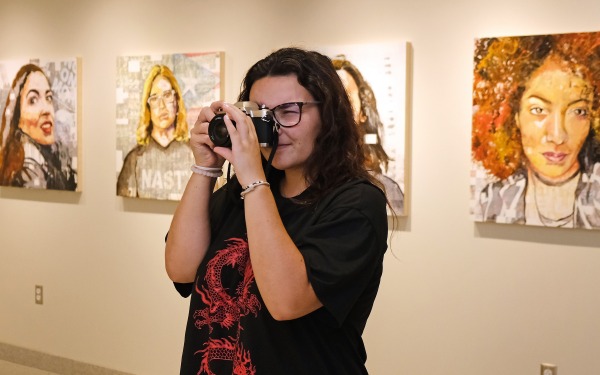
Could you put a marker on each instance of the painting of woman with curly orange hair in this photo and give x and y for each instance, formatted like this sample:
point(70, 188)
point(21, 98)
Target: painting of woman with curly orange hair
point(536, 130)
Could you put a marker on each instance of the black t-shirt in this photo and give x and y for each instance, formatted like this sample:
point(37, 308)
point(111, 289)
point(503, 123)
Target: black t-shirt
point(342, 238)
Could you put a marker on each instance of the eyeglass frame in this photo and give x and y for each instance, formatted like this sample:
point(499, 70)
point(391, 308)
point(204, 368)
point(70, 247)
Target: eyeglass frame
point(161, 96)
point(299, 104)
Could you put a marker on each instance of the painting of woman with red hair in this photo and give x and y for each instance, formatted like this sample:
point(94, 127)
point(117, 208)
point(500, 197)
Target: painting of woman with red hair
point(536, 130)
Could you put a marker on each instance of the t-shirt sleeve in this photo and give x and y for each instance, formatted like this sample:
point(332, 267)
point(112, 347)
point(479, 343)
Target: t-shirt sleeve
point(185, 289)
point(126, 182)
point(343, 249)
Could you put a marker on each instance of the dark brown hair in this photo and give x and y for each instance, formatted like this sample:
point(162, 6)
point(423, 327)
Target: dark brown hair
point(13, 155)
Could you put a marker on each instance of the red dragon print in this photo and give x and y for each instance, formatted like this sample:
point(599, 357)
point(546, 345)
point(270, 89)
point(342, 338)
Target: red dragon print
point(225, 307)
point(227, 350)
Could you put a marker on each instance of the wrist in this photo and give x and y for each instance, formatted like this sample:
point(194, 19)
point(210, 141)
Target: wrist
point(212, 172)
point(251, 187)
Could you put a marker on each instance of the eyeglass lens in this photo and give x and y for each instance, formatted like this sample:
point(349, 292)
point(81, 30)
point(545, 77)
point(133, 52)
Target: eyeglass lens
point(168, 97)
point(288, 114)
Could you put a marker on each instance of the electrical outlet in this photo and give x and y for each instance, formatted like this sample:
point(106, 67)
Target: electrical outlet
point(39, 294)
point(549, 369)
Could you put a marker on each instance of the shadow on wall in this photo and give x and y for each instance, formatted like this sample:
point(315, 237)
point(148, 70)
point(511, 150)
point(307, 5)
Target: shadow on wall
point(537, 235)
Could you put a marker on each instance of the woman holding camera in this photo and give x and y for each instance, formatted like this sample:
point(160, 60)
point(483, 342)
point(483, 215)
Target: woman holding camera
point(283, 268)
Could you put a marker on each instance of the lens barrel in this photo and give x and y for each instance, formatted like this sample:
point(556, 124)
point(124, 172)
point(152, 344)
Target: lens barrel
point(217, 131)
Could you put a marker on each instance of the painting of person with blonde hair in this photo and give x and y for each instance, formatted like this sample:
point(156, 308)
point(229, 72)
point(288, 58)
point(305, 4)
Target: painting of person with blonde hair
point(162, 142)
point(158, 165)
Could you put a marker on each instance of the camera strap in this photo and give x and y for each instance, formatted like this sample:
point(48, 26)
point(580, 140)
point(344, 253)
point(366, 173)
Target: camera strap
point(272, 154)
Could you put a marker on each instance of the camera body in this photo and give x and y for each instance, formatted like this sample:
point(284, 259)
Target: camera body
point(262, 118)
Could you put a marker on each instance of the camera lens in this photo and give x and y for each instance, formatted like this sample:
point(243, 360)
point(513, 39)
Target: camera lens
point(217, 131)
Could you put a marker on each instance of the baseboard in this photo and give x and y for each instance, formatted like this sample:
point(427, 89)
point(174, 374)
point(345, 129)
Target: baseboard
point(52, 363)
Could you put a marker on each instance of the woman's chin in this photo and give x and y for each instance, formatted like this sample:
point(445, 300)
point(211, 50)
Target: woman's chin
point(45, 140)
point(555, 176)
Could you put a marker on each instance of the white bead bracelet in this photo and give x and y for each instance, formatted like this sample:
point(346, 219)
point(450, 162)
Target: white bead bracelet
point(207, 171)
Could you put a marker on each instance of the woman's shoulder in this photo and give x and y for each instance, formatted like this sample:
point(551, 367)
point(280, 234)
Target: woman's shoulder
point(517, 179)
point(136, 151)
point(595, 170)
point(590, 180)
point(356, 194)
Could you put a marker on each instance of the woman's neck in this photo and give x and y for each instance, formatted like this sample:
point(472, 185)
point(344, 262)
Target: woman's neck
point(292, 184)
point(163, 136)
point(549, 203)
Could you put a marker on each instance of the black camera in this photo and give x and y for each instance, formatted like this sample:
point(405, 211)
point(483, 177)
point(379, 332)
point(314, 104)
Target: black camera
point(262, 118)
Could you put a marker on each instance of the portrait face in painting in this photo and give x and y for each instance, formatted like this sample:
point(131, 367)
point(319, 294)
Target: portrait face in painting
point(352, 89)
point(554, 120)
point(37, 110)
point(163, 104)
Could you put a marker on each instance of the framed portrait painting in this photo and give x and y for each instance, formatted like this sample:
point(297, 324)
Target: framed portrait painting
point(158, 100)
point(375, 78)
point(40, 134)
point(536, 130)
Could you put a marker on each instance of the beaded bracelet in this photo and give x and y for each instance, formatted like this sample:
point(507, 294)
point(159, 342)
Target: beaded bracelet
point(207, 171)
point(252, 186)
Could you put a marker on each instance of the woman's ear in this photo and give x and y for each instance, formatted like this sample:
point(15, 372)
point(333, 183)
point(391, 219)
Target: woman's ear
point(517, 122)
point(362, 118)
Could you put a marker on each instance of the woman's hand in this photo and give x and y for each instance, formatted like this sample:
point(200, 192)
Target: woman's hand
point(202, 146)
point(244, 154)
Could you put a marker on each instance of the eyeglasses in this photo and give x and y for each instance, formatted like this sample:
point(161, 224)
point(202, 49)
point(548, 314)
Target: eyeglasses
point(168, 97)
point(289, 114)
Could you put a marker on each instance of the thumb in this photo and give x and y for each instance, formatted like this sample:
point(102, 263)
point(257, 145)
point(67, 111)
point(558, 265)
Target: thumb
point(224, 152)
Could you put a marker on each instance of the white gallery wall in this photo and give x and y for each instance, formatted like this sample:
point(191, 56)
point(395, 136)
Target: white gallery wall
point(457, 298)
